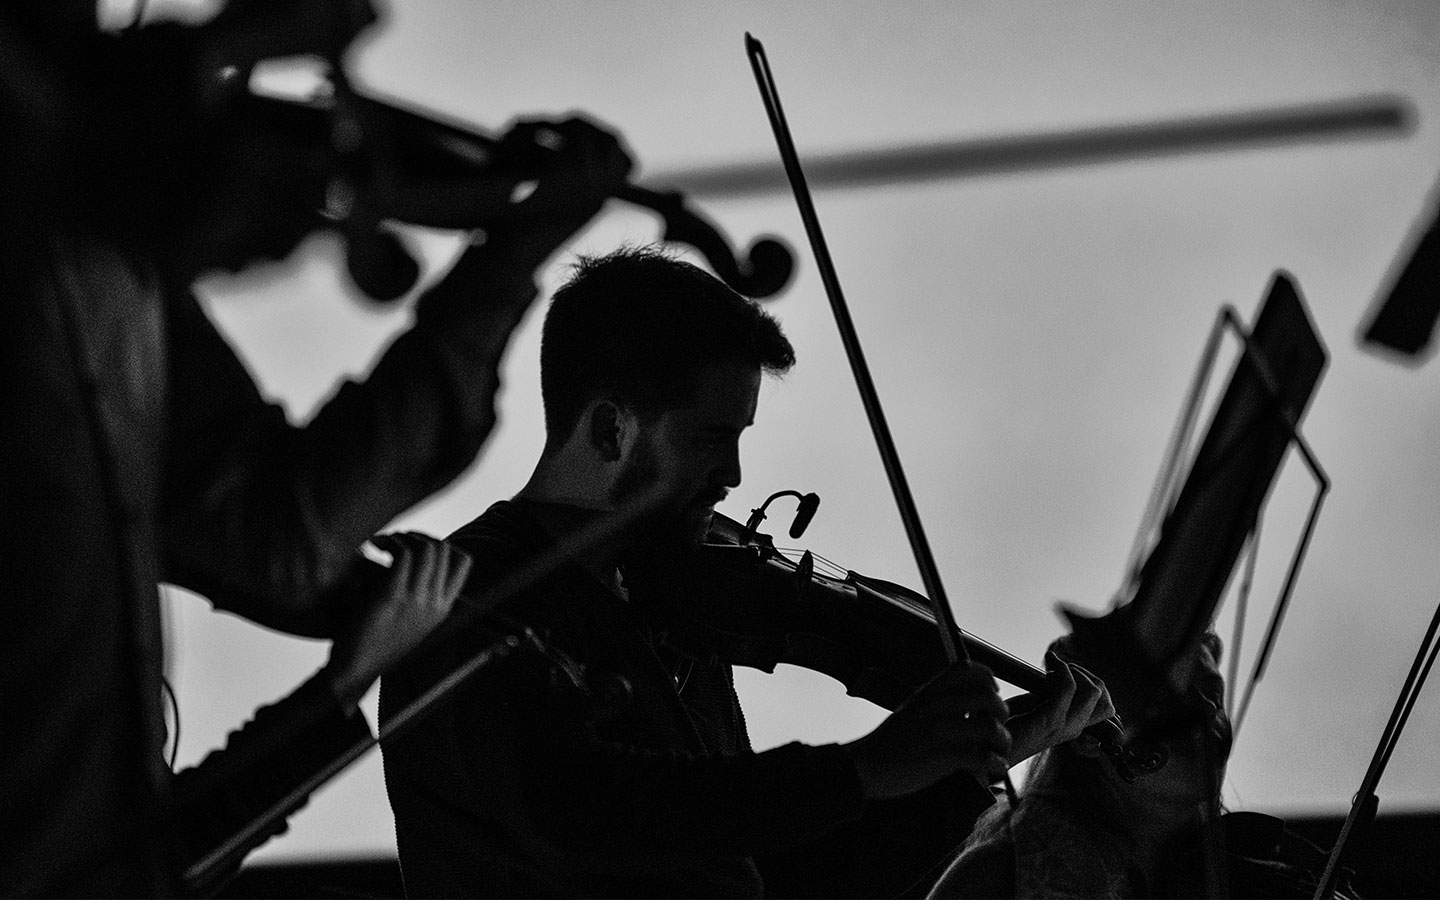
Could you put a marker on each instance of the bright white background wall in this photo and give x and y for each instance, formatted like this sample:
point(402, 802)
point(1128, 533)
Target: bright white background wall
point(1032, 334)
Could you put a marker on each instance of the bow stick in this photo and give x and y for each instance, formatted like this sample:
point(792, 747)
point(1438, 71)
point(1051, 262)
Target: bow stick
point(899, 486)
point(949, 630)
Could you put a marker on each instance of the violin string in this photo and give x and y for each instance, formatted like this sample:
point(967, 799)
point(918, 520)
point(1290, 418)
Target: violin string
point(835, 570)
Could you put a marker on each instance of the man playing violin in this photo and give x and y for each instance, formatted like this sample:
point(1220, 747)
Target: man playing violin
point(650, 372)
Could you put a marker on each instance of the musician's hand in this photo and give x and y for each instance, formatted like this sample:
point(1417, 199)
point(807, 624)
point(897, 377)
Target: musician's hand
point(580, 165)
point(405, 605)
point(1073, 700)
point(954, 723)
point(583, 166)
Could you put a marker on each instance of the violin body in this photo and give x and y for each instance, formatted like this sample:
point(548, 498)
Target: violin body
point(749, 606)
point(741, 600)
point(442, 174)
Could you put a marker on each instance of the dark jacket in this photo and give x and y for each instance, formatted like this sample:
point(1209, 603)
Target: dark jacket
point(137, 449)
point(519, 786)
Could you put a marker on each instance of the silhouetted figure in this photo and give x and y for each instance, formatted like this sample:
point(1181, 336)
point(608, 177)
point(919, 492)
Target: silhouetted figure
point(137, 449)
point(1083, 830)
point(650, 372)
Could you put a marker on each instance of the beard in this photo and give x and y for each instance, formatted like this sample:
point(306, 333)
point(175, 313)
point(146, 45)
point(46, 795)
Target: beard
point(680, 524)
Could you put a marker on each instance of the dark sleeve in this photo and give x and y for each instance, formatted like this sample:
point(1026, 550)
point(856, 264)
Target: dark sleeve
point(609, 797)
point(915, 836)
point(260, 515)
point(625, 799)
point(512, 750)
point(272, 756)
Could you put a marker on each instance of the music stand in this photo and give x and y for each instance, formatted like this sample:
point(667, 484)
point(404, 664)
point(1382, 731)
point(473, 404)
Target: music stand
point(1173, 596)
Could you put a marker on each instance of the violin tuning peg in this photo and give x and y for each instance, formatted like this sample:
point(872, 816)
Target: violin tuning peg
point(804, 572)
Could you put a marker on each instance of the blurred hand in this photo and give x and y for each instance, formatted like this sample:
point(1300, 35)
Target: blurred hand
point(1073, 700)
point(408, 601)
point(549, 179)
point(577, 166)
point(954, 723)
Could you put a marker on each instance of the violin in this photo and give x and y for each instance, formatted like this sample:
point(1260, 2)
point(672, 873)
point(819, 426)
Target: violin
point(380, 148)
point(748, 604)
point(470, 180)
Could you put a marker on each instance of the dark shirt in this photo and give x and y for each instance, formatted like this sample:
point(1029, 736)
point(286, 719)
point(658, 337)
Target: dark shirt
point(516, 788)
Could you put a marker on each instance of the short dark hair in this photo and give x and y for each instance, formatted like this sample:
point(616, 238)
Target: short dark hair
point(641, 326)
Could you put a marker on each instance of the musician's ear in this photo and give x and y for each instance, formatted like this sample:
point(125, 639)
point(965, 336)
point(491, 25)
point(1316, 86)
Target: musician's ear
point(612, 428)
point(602, 421)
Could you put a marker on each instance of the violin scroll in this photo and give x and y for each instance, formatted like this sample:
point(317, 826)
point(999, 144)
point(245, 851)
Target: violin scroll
point(763, 271)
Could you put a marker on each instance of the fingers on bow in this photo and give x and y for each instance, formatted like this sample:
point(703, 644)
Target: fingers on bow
point(1080, 696)
point(425, 569)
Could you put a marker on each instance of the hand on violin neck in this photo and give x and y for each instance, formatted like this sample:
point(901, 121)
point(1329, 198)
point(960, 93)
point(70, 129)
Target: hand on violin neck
point(583, 165)
point(519, 220)
point(1073, 699)
point(954, 723)
point(515, 239)
point(589, 166)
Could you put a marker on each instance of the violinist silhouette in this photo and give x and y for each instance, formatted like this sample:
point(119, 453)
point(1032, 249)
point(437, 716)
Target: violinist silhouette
point(646, 785)
point(1082, 830)
point(138, 449)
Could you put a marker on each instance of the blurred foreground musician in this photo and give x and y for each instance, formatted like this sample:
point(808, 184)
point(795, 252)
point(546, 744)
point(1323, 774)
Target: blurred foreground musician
point(136, 447)
point(647, 785)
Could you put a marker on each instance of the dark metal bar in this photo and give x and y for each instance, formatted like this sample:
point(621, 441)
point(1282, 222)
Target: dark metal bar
point(1359, 118)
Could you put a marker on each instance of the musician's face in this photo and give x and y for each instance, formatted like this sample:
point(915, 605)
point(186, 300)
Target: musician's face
point(696, 449)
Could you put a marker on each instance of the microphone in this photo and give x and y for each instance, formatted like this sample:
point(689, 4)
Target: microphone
point(804, 513)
